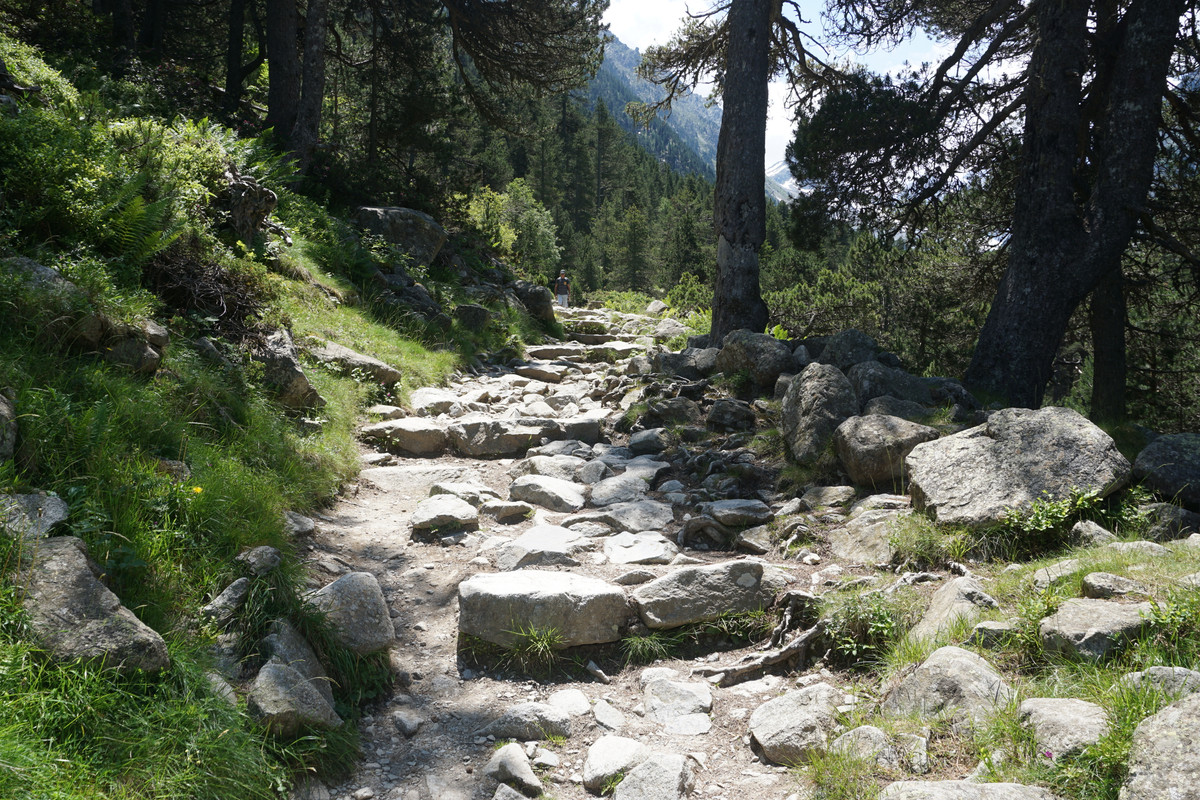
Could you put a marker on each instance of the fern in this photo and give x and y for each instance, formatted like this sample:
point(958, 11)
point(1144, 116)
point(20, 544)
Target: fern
point(137, 229)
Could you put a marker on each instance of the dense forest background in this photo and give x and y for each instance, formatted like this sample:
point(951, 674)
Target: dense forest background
point(565, 179)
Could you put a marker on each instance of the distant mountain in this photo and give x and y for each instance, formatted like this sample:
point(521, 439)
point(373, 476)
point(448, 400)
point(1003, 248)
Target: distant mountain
point(687, 139)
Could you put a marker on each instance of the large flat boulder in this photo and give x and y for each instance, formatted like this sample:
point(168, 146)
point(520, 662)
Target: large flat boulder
point(700, 594)
point(288, 704)
point(494, 438)
point(960, 599)
point(417, 233)
point(871, 379)
point(664, 776)
point(1164, 761)
point(795, 727)
point(865, 539)
point(582, 610)
point(976, 477)
point(1063, 726)
point(1170, 465)
point(347, 360)
point(543, 546)
point(555, 494)
point(1093, 629)
point(32, 516)
point(411, 436)
point(761, 356)
point(691, 363)
point(356, 611)
point(817, 401)
point(74, 616)
point(634, 516)
point(963, 790)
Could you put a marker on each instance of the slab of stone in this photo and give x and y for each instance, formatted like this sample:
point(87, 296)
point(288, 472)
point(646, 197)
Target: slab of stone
point(817, 401)
point(354, 607)
point(543, 546)
point(1088, 532)
point(527, 722)
point(73, 616)
point(407, 721)
point(1046, 577)
point(474, 493)
point(640, 548)
point(348, 360)
point(494, 438)
point(963, 790)
point(763, 357)
point(976, 477)
point(646, 467)
point(665, 699)
point(444, 512)
point(730, 415)
point(637, 516)
point(547, 371)
point(608, 716)
point(410, 436)
point(1105, 585)
point(1163, 759)
point(262, 559)
point(872, 448)
point(872, 380)
point(560, 466)
point(1168, 680)
point(592, 472)
point(952, 680)
point(506, 510)
point(287, 704)
point(1170, 465)
point(284, 644)
point(618, 489)
point(581, 609)
point(1139, 548)
point(611, 757)
point(555, 494)
point(700, 594)
point(650, 441)
point(865, 539)
point(32, 516)
point(222, 608)
point(867, 743)
point(1063, 726)
point(1093, 629)
point(692, 363)
point(509, 765)
point(572, 701)
point(793, 728)
point(738, 513)
point(819, 497)
point(659, 777)
point(959, 599)
point(1169, 522)
point(993, 634)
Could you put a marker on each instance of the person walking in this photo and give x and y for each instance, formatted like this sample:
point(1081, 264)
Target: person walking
point(562, 288)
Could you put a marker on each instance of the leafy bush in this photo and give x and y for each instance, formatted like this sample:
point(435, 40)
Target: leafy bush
point(689, 296)
point(624, 302)
point(861, 628)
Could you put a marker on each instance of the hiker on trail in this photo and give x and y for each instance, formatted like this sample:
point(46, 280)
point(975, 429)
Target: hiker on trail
point(562, 288)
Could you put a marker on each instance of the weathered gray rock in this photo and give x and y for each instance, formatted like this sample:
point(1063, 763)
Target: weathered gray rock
point(1063, 726)
point(659, 777)
point(665, 699)
point(555, 494)
point(410, 436)
point(506, 510)
point(1170, 465)
point(474, 493)
point(444, 512)
point(1087, 532)
point(509, 765)
point(963, 790)
point(282, 372)
point(527, 722)
point(635, 516)
point(691, 363)
point(671, 411)
point(559, 466)
point(872, 449)
point(583, 610)
point(417, 233)
point(430, 401)
point(608, 716)
point(572, 701)
point(1169, 522)
point(738, 513)
point(870, 744)
point(818, 400)
point(348, 360)
point(847, 348)
point(729, 415)
point(656, 307)
point(976, 477)
point(32, 516)
point(487, 438)
point(355, 609)
point(1103, 585)
point(871, 379)
point(895, 407)
point(993, 634)
point(699, 594)
point(952, 680)
point(669, 328)
point(618, 489)
point(287, 704)
point(407, 721)
point(72, 615)
point(1163, 759)
point(793, 728)
point(761, 356)
point(1092, 629)
point(639, 548)
point(222, 608)
point(543, 546)
point(819, 497)
point(1046, 577)
point(1168, 680)
point(283, 644)
point(865, 539)
point(959, 599)
point(538, 300)
point(1139, 548)
point(8, 428)
point(651, 440)
point(261, 560)
point(611, 757)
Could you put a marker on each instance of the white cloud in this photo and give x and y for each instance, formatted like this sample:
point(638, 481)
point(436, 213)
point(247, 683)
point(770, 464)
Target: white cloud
point(641, 23)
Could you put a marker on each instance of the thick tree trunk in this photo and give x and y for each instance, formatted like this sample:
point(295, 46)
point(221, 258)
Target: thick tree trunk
point(1108, 349)
point(739, 207)
point(307, 129)
point(1061, 248)
point(283, 91)
point(234, 48)
point(154, 28)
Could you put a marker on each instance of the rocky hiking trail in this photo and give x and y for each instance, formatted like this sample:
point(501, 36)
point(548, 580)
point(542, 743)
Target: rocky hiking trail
point(511, 501)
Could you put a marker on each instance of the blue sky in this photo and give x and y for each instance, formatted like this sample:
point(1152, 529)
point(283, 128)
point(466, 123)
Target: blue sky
point(641, 23)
